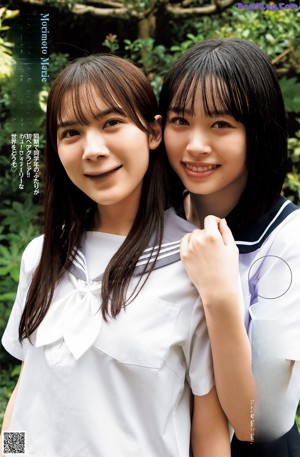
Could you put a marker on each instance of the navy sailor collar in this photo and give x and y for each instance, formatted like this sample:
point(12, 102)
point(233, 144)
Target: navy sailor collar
point(174, 229)
point(254, 236)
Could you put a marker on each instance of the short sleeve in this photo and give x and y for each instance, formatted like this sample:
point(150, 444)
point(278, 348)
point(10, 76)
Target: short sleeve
point(275, 280)
point(30, 258)
point(197, 352)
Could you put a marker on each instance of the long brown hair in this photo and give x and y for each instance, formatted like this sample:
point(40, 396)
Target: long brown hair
point(68, 211)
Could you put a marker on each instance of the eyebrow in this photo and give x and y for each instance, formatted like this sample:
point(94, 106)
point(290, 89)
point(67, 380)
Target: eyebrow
point(97, 116)
point(178, 110)
point(190, 112)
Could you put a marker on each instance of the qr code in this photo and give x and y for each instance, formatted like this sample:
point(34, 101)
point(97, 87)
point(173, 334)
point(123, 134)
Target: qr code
point(13, 443)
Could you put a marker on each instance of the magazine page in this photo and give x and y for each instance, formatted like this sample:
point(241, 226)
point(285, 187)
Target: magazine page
point(225, 153)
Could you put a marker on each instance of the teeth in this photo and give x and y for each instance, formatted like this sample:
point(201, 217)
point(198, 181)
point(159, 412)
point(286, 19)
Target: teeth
point(200, 169)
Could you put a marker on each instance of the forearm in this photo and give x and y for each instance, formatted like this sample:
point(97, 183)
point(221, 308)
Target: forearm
point(231, 352)
point(210, 434)
point(7, 417)
point(215, 444)
point(211, 259)
point(9, 409)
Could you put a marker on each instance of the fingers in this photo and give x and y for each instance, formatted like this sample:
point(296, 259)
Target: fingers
point(226, 233)
point(210, 234)
point(188, 242)
point(184, 244)
point(216, 227)
point(211, 226)
point(215, 231)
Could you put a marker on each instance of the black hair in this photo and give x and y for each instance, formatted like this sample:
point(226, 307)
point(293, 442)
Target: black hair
point(237, 77)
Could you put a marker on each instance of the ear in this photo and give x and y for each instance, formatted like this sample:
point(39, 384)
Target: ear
point(155, 138)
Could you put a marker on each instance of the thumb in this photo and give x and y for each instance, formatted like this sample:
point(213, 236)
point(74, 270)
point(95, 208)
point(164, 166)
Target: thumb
point(184, 245)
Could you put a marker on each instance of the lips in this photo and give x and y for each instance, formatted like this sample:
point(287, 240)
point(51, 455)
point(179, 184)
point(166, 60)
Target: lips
point(102, 174)
point(200, 169)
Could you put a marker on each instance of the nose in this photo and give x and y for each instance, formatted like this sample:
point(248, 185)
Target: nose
point(95, 146)
point(198, 143)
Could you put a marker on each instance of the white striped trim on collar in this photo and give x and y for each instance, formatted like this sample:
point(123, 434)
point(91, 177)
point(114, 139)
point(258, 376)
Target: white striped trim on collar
point(80, 262)
point(167, 250)
point(164, 248)
point(250, 243)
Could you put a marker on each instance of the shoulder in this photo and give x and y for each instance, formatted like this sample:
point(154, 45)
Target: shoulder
point(32, 254)
point(285, 215)
point(169, 250)
point(287, 232)
point(176, 227)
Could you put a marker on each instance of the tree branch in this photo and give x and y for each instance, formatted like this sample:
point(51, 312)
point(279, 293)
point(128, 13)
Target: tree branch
point(112, 3)
point(216, 6)
point(282, 55)
point(120, 11)
point(96, 11)
point(109, 3)
point(34, 2)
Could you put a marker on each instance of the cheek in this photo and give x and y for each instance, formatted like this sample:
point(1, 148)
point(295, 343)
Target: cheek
point(172, 144)
point(64, 161)
point(140, 166)
point(243, 154)
point(238, 149)
point(67, 157)
point(242, 141)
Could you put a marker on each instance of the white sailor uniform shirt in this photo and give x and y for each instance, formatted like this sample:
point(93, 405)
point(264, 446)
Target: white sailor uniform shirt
point(270, 274)
point(119, 388)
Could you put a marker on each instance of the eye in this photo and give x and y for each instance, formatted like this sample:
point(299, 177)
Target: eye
point(222, 125)
point(70, 133)
point(178, 121)
point(112, 122)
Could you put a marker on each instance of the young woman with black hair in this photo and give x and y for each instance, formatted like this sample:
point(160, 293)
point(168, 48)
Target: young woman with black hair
point(225, 137)
point(108, 325)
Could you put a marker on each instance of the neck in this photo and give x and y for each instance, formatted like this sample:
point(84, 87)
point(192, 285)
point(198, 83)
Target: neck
point(110, 219)
point(197, 207)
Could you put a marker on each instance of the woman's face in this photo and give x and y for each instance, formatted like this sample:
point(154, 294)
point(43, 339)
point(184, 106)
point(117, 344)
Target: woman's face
point(207, 153)
point(107, 158)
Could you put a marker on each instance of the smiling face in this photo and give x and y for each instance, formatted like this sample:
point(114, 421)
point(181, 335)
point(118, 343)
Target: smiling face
point(207, 152)
point(107, 156)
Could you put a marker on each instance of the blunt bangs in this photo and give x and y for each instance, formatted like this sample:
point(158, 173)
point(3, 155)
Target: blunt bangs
point(219, 82)
point(234, 76)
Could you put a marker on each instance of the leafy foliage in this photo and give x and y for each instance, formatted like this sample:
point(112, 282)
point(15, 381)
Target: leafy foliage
point(20, 210)
point(291, 186)
point(290, 88)
point(6, 60)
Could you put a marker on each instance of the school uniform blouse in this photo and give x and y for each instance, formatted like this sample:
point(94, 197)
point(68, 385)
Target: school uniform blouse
point(120, 388)
point(270, 274)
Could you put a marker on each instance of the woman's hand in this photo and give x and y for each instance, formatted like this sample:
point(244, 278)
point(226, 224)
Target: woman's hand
point(210, 257)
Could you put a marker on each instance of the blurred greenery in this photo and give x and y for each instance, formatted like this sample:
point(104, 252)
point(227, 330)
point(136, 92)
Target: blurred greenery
point(154, 49)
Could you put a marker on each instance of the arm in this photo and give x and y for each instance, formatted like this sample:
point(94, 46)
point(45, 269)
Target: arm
point(210, 257)
point(9, 410)
point(210, 434)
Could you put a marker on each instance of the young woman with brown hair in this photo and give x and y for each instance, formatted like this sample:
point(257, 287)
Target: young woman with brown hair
point(110, 329)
